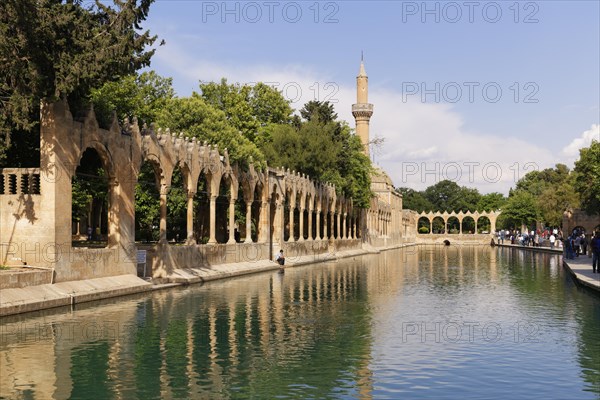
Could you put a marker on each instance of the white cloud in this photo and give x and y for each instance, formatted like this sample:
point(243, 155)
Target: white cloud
point(571, 151)
point(424, 143)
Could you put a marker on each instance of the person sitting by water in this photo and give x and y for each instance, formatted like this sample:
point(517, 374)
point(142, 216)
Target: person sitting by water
point(280, 258)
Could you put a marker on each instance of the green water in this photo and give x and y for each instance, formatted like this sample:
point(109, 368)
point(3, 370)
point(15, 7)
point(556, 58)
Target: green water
point(432, 323)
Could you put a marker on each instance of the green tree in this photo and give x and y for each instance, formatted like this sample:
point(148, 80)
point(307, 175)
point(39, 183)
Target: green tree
point(446, 195)
point(553, 190)
point(249, 109)
point(414, 200)
point(520, 209)
point(55, 48)
point(555, 199)
point(141, 96)
point(196, 118)
point(325, 151)
point(491, 202)
point(321, 110)
point(587, 178)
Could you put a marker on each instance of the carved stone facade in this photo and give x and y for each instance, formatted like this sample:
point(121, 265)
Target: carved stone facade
point(36, 220)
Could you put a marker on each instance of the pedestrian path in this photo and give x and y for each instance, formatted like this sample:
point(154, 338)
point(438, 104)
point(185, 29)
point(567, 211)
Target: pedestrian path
point(581, 269)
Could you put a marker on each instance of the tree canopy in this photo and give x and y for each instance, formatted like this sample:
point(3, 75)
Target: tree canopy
point(248, 109)
point(587, 180)
point(63, 48)
point(196, 118)
point(325, 150)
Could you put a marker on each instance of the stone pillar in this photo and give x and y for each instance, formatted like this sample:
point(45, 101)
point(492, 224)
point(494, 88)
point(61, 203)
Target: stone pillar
point(279, 223)
point(330, 233)
point(190, 218)
point(292, 208)
point(213, 219)
point(249, 222)
point(460, 226)
point(344, 225)
point(430, 227)
point(310, 215)
point(164, 190)
point(231, 220)
point(263, 222)
point(338, 217)
point(318, 224)
point(114, 193)
point(301, 216)
point(475, 231)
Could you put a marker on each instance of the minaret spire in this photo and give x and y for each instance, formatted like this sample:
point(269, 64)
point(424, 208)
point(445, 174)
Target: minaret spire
point(362, 110)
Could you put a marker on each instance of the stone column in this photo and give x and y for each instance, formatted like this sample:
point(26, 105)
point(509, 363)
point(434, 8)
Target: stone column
point(213, 219)
point(164, 190)
point(114, 192)
point(190, 218)
point(248, 222)
point(460, 226)
point(338, 223)
point(263, 223)
point(301, 216)
point(310, 215)
point(279, 223)
point(475, 231)
point(430, 227)
point(292, 208)
point(330, 233)
point(231, 220)
point(344, 225)
point(318, 224)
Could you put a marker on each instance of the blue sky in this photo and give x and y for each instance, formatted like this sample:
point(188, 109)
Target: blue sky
point(477, 92)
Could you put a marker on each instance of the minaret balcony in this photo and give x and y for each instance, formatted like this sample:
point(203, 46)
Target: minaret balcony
point(363, 110)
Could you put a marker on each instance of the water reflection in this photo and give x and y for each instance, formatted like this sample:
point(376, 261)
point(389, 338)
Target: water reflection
point(424, 322)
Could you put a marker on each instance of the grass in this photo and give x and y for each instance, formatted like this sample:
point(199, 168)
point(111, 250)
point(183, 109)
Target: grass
point(4, 267)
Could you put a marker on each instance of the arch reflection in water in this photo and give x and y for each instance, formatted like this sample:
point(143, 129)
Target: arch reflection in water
point(358, 328)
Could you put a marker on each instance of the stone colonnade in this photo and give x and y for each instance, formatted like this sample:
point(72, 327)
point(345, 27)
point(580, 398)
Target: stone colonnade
point(460, 216)
point(292, 206)
point(36, 205)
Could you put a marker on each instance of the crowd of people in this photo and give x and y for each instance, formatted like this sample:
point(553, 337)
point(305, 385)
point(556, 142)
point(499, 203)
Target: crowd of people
point(574, 245)
point(533, 238)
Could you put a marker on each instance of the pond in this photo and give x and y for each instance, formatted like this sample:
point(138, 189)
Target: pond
point(431, 322)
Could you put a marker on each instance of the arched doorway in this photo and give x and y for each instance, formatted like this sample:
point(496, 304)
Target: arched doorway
point(177, 207)
point(438, 225)
point(202, 210)
point(483, 225)
point(147, 203)
point(90, 201)
point(423, 225)
point(453, 225)
point(468, 225)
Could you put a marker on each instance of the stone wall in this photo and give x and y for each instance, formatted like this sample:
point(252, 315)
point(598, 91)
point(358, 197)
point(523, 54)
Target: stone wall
point(575, 218)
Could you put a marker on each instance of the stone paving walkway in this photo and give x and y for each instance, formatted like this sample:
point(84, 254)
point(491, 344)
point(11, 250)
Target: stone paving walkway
point(33, 298)
point(581, 269)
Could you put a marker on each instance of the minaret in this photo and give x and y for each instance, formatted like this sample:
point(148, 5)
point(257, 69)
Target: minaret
point(362, 110)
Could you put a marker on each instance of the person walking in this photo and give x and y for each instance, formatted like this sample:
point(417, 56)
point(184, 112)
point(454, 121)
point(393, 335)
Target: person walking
point(595, 247)
point(583, 243)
